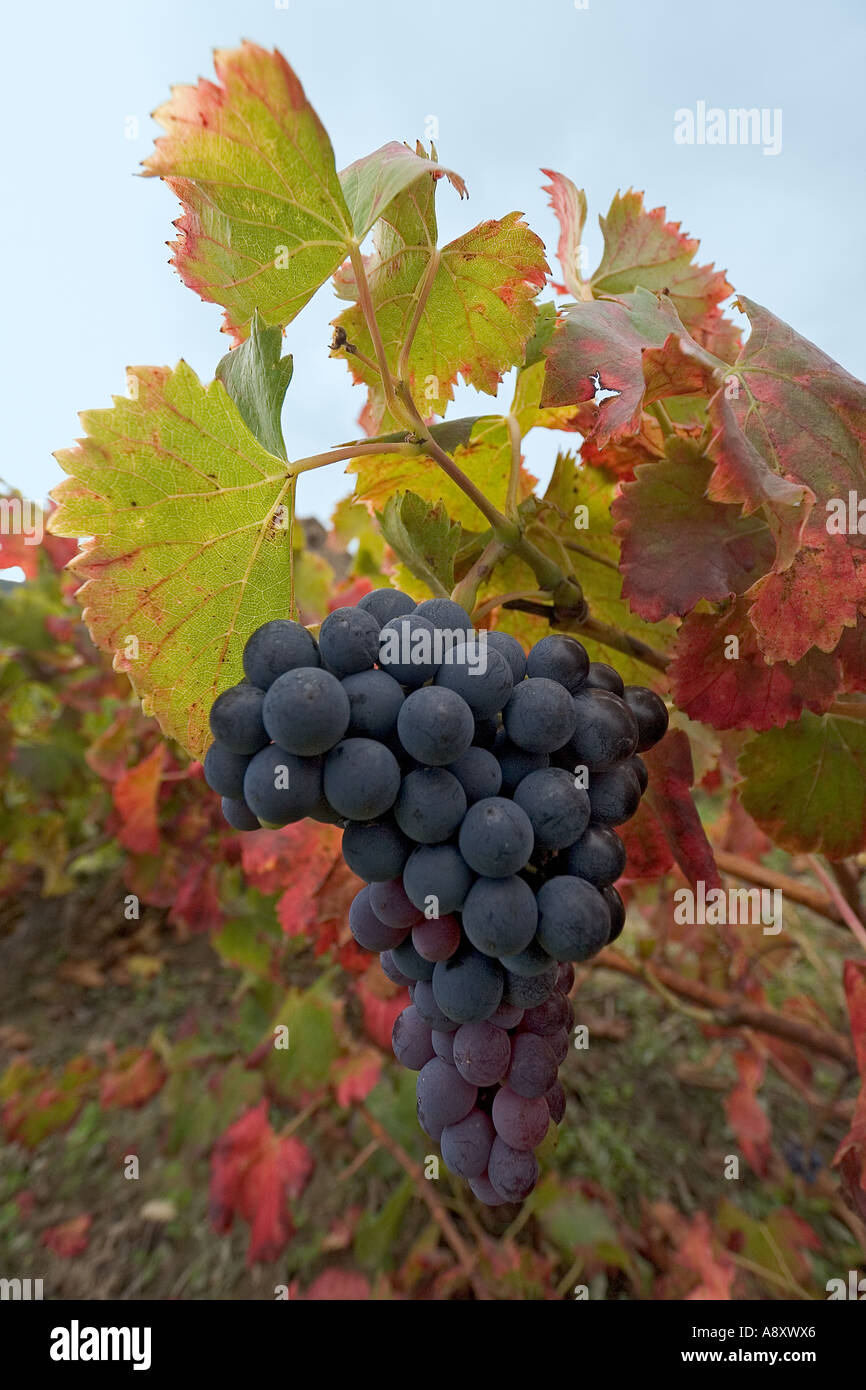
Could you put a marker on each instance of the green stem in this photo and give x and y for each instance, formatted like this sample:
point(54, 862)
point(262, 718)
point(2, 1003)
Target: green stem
point(365, 300)
point(514, 475)
point(604, 633)
point(658, 412)
point(348, 451)
point(466, 592)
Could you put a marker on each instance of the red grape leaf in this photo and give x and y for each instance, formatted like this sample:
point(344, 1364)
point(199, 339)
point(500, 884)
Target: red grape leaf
point(70, 1238)
point(265, 220)
point(602, 344)
point(135, 794)
point(132, 1079)
point(337, 1285)
point(36, 1105)
point(677, 546)
point(850, 1157)
point(253, 1173)
point(379, 1008)
point(354, 1077)
point(648, 854)
point(569, 204)
point(744, 691)
point(746, 1116)
point(805, 784)
point(811, 603)
point(671, 776)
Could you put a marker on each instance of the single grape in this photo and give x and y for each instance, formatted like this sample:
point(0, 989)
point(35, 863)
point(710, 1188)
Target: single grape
point(362, 778)
point(539, 716)
point(390, 904)
point(500, 915)
point(276, 647)
point(605, 730)
point(435, 725)
point(616, 908)
point(386, 604)
point(236, 719)
point(555, 1102)
point(512, 1172)
point(425, 1002)
point(407, 649)
point(482, 1052)
point(478, 773)
point(443, 1043)
point(496, 837)
point(430, 806)
point(436, 938)
point(349, 641)
point(409, 963)
point(480, 675)
point(557, 809)
point(526, 991)
point(520, 1121)
point(614, 795)
point(370, 932)
point(533, 1065)
point(483, 1189)
point(565, 977)
point(411, 1040)
point(374, 703)
point(444, 613)
point(560, 1044)
point(510, 648)
point(506, 1016)
point(561, 659)
point(467, 986)
point(444, 1097)
point(239, 815)
point(437, 876)
point(375, 850)
point(306, 711)
point(224, 771)
point(603, 677)
point(598, 856)
point(534, 960)
point(281, 788)
point(390, 969)
point(640, 770)
point(651, 715)
point(573, 918)
point(466, 1146)
point(515, 763)
point(548, 1017)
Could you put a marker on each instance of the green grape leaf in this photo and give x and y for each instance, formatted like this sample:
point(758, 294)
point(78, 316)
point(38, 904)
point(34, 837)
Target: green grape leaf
point(265, 222)
point(189, 548)
point(479, 310)
point(371, 184)
point(257, 378)
point(424, 538)
point(805, 785)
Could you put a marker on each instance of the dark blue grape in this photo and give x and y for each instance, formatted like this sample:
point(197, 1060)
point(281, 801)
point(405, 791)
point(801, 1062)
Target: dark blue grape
point(605, 730)
point(479, 675)
point(467, 986)
point(443, 1043)
point(515, 763)
point(598, 856)
point(533, 1065)
point(444, 1097)
point(407, 650)
point(500, 915)
point(603, 677)
point(386, 604)
point(496, 837)
point(362, 778)
point(224, 771)
point(436, 938)
point(561, 659)
point(410, 1039)
point(430, 806)
point(435, 725)
point(555, 1101)
point(409, 963)
point(640, 770)
point(445, 614)
point(557, 809)
point(374, 703)
point(614, 795)
point(239, 815)
point(539, 717)
point(510, 648)
point(479, 774)
point(526, 991)
point(651, 715)
point(439, 873)
point(616, 908)
point(483, 1189)
point(425, 1002)
point(573, 918)
point(349, 641)
point(394, 974)
point(466, 1145)
point(281, 788)
point(236, 719)
point(550, 1017)
point(375, 850)
point(306, 711)
point(276, 647)
point(531, 961)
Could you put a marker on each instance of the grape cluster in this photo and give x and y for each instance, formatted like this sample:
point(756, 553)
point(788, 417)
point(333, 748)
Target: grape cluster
point(478, 790)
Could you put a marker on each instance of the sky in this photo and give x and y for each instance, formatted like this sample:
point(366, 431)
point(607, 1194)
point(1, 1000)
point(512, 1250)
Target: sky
point(591, 88)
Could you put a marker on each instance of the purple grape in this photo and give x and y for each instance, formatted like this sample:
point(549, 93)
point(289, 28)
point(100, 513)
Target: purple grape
point(512, 1172)
point(533, 1065)
point(443, 1044)
point(368, 929)
point(549, 1017)
point(482, 1052)
point(444, 1097)
point(520, 1121)
point(410, 1039)
point(555, 1101)
point(390, 904)
point(466, 1145)
point(438, 938)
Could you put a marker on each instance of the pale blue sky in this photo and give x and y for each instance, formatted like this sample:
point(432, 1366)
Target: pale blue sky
point(514, 84)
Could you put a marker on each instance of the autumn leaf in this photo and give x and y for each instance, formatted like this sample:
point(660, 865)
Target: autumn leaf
point(379, 1007)
point(850, 1156)
point(805, 785)
point(337, 1285)
point(479, 310)
point(746, 1116)
point(131, 1080)
point(265, 221)
point(569, 205)
point(720, 676)
point(36, 1104)
point(372, 183)
point(136, 793)
point(186, 558)
point(70, 1238)
point(668, 795)
point(254, 1173)
point(354, 1077)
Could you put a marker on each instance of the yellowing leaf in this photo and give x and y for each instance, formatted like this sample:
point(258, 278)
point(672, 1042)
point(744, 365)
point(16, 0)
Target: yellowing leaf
point(187, 554)
point(265, 221)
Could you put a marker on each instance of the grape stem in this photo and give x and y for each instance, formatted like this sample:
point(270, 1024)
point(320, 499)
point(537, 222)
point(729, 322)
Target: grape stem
point(466, 591)
point(660, 415)
point(604, 633)
point(511, 498)
point(349, 451)
point(365, 299)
